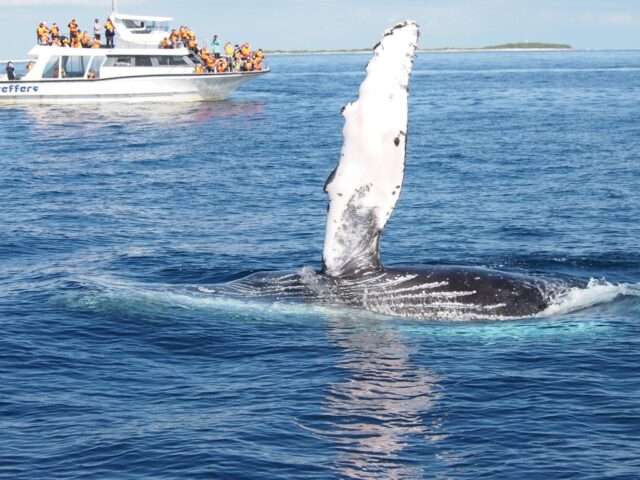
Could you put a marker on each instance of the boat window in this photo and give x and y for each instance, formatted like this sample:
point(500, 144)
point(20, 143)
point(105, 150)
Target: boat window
point(164, 61)
point(143, 61)
point(75, 67)
point(94, 66)
point(51, 69)
point(119, 61)
point(145, 27)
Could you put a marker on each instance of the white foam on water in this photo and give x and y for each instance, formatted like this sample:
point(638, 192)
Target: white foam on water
point(597, 292)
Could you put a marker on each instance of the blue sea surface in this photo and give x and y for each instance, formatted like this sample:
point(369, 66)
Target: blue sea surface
point(112, 367)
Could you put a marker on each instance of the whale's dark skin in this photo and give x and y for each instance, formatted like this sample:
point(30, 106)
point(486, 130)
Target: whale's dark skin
point(428, 293)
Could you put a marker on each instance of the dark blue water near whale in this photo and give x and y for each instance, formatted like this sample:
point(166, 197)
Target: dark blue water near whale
point(111, 368)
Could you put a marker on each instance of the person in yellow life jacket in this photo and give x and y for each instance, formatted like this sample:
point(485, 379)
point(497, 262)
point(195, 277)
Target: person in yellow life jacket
point(174, 37)
point(245, 50)
point(228, 52)
point(40, 33)
point(211, 63)
point(96, 43)
point(73, 29)
point(257, 62)
point(184, 34)
point(76, 42)
point(222, 65)
point(30, 66)
point(164, 43)
point(199, 68)
point(193, 45)
point(86, 40)
point(247, 66)
point(109, 32)
point(260, 54)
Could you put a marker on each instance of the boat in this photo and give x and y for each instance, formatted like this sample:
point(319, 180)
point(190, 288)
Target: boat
point(134, 70)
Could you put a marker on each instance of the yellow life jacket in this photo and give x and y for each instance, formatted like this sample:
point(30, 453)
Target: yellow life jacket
point(210, 61)
point(222, 66)
point(54, 31)
point(199, 69)
point(73, 27)
point(96, 43)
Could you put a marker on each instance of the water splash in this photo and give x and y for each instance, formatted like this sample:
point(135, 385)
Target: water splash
point(597, 292)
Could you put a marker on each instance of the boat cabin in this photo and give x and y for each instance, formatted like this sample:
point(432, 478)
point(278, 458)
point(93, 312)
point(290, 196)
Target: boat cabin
point(63, 63)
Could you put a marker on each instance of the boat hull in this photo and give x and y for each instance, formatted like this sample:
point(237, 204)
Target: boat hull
point(132, 89)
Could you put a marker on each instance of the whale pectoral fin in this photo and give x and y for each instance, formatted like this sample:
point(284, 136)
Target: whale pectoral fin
point(365, 186)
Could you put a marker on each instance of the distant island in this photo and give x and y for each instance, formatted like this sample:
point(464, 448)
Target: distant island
point(505, 46)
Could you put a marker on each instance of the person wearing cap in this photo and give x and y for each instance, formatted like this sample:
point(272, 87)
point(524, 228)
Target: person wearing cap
point(11, 71)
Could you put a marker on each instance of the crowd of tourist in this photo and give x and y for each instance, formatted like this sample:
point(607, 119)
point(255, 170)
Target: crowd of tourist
point(77, 38)
point(216, 59)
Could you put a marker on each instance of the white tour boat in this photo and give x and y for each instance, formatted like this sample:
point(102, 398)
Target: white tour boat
point(136, 70)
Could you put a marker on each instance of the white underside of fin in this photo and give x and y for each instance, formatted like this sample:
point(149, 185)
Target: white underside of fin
point(364, 188)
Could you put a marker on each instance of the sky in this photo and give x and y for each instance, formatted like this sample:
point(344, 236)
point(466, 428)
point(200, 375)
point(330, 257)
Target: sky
point(346, 24)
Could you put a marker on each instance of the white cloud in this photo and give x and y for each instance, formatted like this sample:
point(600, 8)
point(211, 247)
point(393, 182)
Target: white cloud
point(611, 18)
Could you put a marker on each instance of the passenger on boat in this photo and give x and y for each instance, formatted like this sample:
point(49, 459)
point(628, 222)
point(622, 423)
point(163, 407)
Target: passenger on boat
point(96, 43)
point(65, 42)
point(55, 31)
point(97, 30)
point(109, 32)
point(257, 61)
point(86, 40)
point(215, 47)
point(245, 50)
point(73, 28)
point(42, 33)
point(192, 44)
point(91, 75)
point(228, 52)
point(77, 42)
point(222, 65)
point(210, 62)
point(247, 65)
point(11, 71)
point(30, 66)
point(174, 37)
point(199, 68)
point(56, 42)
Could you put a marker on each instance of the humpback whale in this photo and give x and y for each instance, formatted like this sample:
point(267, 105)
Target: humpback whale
point(363, 191)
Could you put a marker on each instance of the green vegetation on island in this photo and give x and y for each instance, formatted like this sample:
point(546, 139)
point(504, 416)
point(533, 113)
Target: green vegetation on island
point(525, 45)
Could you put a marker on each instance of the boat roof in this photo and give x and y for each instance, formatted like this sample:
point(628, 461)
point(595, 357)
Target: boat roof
point(83, 52)
point(141, 17)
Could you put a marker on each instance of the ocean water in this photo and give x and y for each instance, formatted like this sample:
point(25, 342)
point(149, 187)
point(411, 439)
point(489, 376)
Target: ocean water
point(114, 365)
